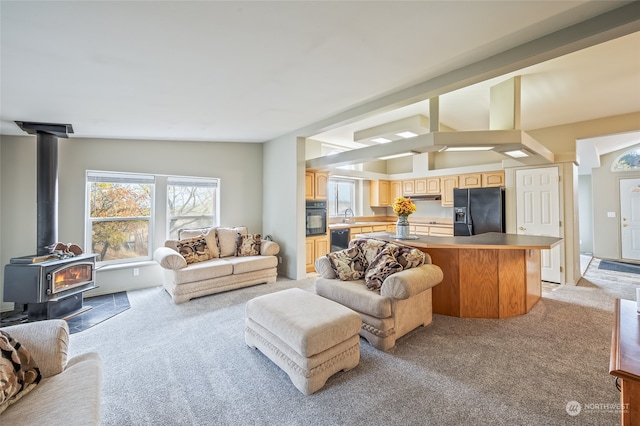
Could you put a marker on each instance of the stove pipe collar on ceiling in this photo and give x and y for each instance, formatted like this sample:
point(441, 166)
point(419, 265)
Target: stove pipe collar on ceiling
point(47, 135)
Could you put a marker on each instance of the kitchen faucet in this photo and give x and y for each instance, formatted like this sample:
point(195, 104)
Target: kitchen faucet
point(346, 212)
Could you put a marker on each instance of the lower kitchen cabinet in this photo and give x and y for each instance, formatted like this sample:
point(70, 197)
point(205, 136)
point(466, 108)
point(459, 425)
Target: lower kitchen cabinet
point(315, 247)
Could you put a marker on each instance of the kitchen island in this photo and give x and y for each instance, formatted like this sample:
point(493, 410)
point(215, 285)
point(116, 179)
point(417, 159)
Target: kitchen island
point(492, 275)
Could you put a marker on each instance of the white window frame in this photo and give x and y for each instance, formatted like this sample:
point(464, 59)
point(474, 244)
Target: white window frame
point(119, 177)
point(330, 202)
point(199, 182)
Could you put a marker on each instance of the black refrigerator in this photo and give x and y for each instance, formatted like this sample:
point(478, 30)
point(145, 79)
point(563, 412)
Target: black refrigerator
point(478, 210)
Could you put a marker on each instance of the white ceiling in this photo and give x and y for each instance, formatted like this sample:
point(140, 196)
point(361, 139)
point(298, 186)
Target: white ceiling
point(253, 71)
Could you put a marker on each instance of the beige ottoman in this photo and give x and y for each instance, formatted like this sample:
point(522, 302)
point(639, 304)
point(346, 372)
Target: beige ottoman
point(309, 337)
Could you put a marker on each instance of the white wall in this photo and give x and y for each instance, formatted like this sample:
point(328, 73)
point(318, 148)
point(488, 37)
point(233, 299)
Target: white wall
point(283, 214)
point(606, 192)
point(585, 204)
point(238, 165)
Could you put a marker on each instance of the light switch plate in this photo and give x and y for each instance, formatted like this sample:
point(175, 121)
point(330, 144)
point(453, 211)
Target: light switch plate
point(611, 214)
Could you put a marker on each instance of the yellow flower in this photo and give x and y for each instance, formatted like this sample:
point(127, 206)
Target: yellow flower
point(403, 206)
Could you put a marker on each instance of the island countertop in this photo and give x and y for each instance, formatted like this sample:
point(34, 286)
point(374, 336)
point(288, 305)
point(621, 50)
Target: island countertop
point(489, 240)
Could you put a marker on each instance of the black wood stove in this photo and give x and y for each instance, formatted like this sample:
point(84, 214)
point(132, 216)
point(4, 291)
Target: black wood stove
point(50, 284)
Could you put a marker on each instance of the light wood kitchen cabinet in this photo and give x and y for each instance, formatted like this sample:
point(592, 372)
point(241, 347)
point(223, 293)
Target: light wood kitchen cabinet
point(316, 184)
point(447, 183)
point(408, 187)
point(470, 180)
point(433, 185)
point(315, 247)
point(379, 193)
point(490, 179)
point(421, 230)
point(441, 231)
point(420, 186)
point(395, 190)
point(414, 187)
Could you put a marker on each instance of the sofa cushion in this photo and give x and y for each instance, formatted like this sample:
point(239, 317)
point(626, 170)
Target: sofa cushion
point(207, 270)
point(244, 264)
point(247, 245)
point(19, 373)
point(349, 264)
point(209, 235)
point(194, 249)
point(355, 295)
point(227, 239)
point(382, 266)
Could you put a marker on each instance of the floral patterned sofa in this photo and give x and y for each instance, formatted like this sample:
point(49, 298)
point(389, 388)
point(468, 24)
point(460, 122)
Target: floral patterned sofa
point(212, 260)
point(388, 284)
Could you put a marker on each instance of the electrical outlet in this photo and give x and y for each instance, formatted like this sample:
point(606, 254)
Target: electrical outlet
point(136, 272)
point(280, 259)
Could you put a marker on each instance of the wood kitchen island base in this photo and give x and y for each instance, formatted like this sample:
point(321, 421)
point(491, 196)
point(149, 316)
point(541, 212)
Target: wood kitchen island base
point(486, 283)
point(491, 275)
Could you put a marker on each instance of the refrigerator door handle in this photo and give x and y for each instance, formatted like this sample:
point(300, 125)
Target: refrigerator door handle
point(469, 218)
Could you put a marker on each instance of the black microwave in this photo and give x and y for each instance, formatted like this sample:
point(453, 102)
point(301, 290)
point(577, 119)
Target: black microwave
point(316, 217)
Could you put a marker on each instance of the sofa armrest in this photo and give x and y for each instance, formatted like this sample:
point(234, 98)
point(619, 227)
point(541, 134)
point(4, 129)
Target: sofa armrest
point(323, 267)
point(408, 283)
point(269, 248)
point(169, 258)
point(47, 341)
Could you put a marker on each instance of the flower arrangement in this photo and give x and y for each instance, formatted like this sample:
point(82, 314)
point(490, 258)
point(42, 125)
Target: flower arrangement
point(403, 206)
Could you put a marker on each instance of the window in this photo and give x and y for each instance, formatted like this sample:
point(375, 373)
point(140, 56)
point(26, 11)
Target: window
point(119, 216)
point(628, 161)
point(341, 196)
point(191, 203)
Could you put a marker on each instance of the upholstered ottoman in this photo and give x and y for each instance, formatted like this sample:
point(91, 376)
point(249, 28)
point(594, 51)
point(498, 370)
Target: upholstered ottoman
point(309, 337)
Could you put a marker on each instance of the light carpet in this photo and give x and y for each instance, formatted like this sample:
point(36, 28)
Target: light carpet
point(187, 364)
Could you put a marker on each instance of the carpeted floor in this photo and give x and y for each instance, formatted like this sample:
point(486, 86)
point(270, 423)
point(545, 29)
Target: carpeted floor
point(187, 364)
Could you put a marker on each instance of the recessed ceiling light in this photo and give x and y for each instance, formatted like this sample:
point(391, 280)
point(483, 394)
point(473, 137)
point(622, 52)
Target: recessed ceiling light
point(469, 148)
point(381, 140)
point(406, 134)
point(517, 154)
point(402, 154)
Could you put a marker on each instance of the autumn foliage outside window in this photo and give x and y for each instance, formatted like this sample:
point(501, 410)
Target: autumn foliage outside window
point(120, 215)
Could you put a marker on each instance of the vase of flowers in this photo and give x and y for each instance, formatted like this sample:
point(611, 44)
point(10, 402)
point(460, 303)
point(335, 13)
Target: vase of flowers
point(403, 207)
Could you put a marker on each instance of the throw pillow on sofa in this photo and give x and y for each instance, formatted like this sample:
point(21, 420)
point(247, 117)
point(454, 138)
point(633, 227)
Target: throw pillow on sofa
point(382, 266)
point(209, 235)
point(227, 239)
point(194, 249)
point(370, 247)
point(19, 373)
point(349, 264)
point(248, 245)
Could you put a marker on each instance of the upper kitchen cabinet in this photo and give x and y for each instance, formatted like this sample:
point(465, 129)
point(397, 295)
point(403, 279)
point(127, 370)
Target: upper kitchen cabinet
point(395, 189)
point(470, 180)
point(447, 183)
point(433, 185)
point(414, 187)
point(379, 193)
point(493, 179)
point(316, 184)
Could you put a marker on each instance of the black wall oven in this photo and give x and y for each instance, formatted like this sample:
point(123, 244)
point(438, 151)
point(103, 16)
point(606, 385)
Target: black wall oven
point(316, 217)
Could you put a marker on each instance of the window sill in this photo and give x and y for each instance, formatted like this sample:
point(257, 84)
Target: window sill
point(128, 265)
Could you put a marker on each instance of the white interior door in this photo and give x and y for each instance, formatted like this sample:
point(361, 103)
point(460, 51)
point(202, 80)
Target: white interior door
point(630, 218)
point(538, 213)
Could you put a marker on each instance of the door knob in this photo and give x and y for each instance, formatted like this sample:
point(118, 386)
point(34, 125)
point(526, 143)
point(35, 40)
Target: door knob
point(625, 225)
point(522, 228)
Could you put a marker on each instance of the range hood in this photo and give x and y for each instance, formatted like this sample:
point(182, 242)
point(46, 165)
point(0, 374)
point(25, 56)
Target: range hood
point(424, 197)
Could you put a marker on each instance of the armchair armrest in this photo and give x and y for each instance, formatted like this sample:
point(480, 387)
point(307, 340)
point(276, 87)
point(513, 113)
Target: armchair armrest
point(47, 342)
point(169, 258)
point(407, 283)
point(269, 248)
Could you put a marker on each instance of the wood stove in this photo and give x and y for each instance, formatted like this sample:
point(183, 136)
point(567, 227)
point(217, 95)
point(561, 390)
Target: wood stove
point(49, 284)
